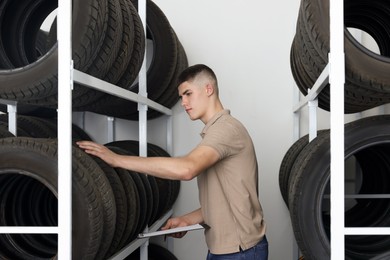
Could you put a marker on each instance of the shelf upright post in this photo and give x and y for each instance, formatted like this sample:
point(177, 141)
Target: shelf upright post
point(297, 115)
point(110, 129)
point(337, 80)
point(12, 109)
point(65, 85)
point(143, 109)
point(313, 105)
point(169, 134)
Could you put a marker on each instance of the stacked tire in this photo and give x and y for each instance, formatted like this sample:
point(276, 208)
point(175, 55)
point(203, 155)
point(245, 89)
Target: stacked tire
point(169, 59)
point(367, 82)
point(109, 206)
point(304, 183)
point(108, 43)
point(304, 171)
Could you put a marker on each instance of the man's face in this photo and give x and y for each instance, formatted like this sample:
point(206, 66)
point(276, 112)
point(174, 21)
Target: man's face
point(193, 99)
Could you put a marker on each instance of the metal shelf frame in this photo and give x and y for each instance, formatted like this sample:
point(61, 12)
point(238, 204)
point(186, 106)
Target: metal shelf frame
point(334, 73)
point(66, 76)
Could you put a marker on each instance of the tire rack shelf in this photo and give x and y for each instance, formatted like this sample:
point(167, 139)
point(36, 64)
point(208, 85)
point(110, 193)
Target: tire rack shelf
point(66, 76)
point(141, 242)
point(334, 73)
point(98, 84)
point(143, 104)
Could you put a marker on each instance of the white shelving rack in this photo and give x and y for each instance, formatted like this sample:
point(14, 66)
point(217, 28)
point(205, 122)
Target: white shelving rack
point(66, 76)
point(64, 190)
point(337, 80)
point(65, 86)
point(334, 73)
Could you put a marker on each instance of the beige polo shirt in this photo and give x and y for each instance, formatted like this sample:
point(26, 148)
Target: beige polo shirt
point(228, 190)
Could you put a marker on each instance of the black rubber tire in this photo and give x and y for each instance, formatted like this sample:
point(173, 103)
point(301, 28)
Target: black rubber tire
point(287, 163)
point(131, 62)
point(86, 238)
point(134, 63)
point(106, 196)
point(142, 221)
point(19, 27)
point(367, 83)
point(133, 203)
point(168, 189)
point(112, 40)
point(38, 80)
point(19, 131)
point(384, 256)
point(39, 158)
point(106, 55)
point(34, 198)
point(148, 184)
point(141, 191)
point(31, 110)
point(32, 126)
point(51, 124)
point(173, 188)
point(156, 199)
point(41, 44)
point(163, 64)
point(121, 205)
point(170, 96)
point(133, 215)
point(131, 28)
point(169, 59)
point(4, 131)
point(310, 181)
point(149, 201)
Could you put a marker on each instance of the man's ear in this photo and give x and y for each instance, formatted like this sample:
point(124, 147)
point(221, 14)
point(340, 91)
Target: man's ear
point(209, 89)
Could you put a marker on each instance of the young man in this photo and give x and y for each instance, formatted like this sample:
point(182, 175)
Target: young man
point(225, 165)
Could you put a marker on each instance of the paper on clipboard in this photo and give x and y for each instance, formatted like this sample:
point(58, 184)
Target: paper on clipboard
point(172, 230)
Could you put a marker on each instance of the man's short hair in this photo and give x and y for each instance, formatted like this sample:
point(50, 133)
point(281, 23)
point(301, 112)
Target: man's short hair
point(192, 72)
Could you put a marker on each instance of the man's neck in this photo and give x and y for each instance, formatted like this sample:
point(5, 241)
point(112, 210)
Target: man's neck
point(212, 112)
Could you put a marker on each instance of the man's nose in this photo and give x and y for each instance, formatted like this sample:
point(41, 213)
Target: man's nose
point(183, 102)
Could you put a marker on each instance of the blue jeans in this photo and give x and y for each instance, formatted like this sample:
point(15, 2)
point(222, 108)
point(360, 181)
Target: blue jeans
point(257, 252)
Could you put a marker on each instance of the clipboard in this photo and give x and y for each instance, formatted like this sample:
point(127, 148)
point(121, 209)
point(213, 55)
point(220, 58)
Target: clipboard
point(173, 230)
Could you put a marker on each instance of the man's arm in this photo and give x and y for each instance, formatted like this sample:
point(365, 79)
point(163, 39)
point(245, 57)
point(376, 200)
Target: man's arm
point(175, 168)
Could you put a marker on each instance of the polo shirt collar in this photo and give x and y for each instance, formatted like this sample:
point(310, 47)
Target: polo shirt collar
point(213, 120)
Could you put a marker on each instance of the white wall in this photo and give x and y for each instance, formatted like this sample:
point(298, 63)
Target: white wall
point(247, 43)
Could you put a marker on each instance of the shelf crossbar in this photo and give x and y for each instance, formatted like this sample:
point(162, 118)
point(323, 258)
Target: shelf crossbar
point(362, 196)
point(139, 242)
point(8, 102)
point(101, 85)
point(28, 230)
point(379, 231)
point(318, 86)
